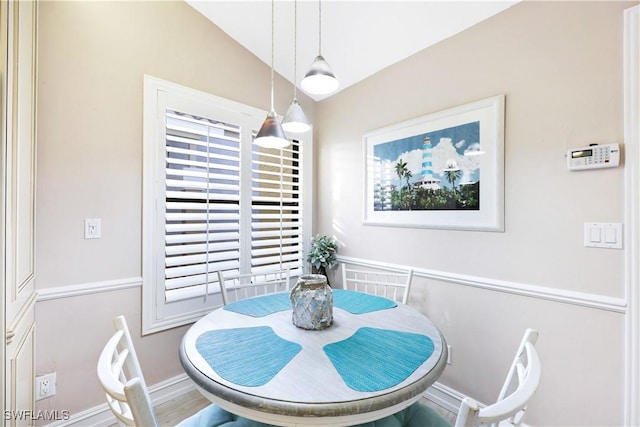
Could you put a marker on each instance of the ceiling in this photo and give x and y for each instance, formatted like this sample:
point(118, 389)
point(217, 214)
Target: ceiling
point(358, 38)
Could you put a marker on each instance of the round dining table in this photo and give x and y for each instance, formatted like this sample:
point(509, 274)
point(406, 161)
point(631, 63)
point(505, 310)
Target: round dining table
point(376, 358)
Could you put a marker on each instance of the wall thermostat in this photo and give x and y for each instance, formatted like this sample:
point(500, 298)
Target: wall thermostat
point(594, 157)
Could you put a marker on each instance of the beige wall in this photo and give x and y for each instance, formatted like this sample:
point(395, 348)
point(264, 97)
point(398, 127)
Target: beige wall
point(560, 66)
point(92, 58)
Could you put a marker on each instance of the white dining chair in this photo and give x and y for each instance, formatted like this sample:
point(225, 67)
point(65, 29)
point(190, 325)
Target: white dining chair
point(242, 286)
point(395, 285)
point(121, 378)
point(519, 387)
point(509, 409)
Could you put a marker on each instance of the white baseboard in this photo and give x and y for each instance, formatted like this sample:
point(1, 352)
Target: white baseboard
point(101, 416)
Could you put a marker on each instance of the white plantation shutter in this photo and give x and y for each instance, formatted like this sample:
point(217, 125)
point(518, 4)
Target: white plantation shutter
point(276, 209)
point(213, 201)
point(202, 215)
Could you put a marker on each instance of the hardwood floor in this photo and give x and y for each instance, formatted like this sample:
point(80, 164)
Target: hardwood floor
point(174, 411)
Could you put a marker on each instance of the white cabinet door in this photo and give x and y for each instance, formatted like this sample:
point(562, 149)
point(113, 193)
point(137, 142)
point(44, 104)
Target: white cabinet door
point(18, 25)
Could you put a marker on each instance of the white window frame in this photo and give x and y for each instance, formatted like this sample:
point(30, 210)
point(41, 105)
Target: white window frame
point(160, 95)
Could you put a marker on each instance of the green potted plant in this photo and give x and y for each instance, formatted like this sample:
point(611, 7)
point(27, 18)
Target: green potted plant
point(322, 254)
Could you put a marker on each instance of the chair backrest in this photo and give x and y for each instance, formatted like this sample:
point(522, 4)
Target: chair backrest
point(243, 286)
point(121, 378)
point(390, 284)
point(521, 384)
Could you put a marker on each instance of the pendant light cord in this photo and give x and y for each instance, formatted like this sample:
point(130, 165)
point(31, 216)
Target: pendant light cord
point(295, 47)
point(320, 27)
point(273, 32)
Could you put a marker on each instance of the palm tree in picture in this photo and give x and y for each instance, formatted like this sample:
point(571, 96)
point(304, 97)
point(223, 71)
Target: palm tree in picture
point(452, 172)
point(403, 172)
point(452, 177)
point(407, 176)
point(401, 169)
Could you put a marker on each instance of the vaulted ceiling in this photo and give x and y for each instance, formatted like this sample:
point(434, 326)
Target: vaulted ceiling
point(358, 38)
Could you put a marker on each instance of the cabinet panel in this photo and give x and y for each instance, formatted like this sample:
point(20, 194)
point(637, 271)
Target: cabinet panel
point(20, 365)
point(24, 143)
point(20, 157)
point(18, 38)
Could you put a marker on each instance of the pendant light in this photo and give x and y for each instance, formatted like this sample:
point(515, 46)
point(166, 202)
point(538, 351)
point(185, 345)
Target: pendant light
point(319, 80)
point(295, 121)
point(271, 134)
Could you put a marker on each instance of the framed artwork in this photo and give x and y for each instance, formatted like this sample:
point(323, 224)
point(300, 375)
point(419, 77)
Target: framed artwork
point(443, 170)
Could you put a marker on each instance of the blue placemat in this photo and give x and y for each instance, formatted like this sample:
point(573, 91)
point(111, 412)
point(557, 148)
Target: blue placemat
point(264, 354)
point(262, 305)
point(362, 360)
point(359, 302)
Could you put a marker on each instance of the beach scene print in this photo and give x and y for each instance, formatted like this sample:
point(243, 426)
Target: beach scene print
point(438, 170)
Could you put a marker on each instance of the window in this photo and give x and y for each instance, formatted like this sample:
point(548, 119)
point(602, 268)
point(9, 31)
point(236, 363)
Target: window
point(213, 201)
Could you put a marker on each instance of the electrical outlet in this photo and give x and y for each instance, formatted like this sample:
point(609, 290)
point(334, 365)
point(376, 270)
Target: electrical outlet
point(45, 386)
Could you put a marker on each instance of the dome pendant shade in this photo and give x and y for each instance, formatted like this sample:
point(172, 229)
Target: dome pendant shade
point(295, 121)
point(319, 80)
point(271, 134)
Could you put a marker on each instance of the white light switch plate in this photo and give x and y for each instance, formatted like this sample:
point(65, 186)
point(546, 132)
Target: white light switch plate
point(603, 235)
point(92, 228)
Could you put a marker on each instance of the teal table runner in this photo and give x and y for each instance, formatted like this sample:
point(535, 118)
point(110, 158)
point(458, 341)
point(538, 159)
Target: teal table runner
point(352, 301)
point(359, 303)
point(261, 306)
point(363, 359)
point(264, 354)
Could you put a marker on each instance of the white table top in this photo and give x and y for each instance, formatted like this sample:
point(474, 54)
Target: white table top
point(309, 390)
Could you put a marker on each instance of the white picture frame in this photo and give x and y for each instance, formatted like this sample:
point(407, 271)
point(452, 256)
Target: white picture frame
point(422, 172)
